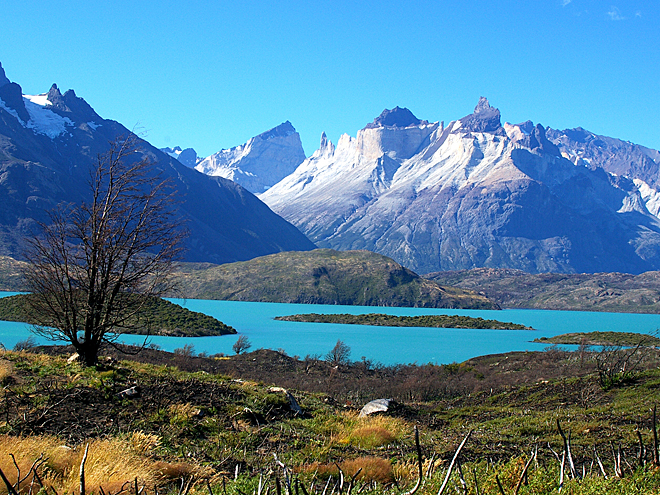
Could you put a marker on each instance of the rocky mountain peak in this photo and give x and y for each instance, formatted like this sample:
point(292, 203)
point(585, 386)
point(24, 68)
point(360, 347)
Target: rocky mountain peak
point(11, 95)
point(397, 117)
point(3, 78)
point(326, 146)
point(71, 106)
point(283, 130)
point(54, 94)
point(485, 118)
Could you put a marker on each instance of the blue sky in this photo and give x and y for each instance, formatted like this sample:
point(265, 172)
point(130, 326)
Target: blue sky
point(212, 74)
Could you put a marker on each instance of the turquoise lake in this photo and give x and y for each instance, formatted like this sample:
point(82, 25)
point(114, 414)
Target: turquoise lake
point(388, 345)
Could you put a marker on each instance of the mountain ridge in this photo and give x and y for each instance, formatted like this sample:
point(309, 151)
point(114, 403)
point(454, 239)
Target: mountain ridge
point(45, 159)
point(469, 194)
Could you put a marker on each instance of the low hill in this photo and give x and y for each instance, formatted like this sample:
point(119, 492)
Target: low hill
point(616, 292)
point(323, 276)
point(161, 318)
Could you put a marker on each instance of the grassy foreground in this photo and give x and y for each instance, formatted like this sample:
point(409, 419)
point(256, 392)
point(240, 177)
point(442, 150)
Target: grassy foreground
point(186, 428)
point(433, 321)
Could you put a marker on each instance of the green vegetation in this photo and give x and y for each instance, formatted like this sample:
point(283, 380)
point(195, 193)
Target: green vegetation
point(439, 321)
point(322, 276)
point(628, 339)
point(198, 426)
point(160, 317)
point(614, 292)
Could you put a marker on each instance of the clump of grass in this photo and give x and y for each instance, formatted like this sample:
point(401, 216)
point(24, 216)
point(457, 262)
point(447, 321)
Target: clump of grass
point(373, 431)
point(182, 413)
point(6, 370)
point(370, 437)
point(144, 443)
point(373, 469)
point(110, 464)
point(26, 450)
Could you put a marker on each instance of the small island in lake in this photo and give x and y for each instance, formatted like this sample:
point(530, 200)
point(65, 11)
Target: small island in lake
point(158, 317)
point(435, 321)
point(626, 339)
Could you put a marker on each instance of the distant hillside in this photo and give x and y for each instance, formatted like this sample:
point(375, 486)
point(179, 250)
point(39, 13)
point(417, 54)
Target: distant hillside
point(616, 292)
point(10, 274)
point(323, 276)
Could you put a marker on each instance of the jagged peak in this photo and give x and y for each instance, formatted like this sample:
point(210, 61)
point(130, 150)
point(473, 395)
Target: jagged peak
point(54, 93)
point(485, 118)
point(483, 105)
point(397, 117)
point(283, 130)
point(326, 145)
point(3, 78)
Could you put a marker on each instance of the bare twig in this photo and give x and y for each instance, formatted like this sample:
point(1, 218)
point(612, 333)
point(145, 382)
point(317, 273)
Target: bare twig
point(453, 461)
point(476, 481)
point(524, 472)
point(567, 449)
point(600, 464)
point(656, 460)
point(82, 470)
point(10, 488)
point(499, 485)
point(419, 465)
point(642, 449)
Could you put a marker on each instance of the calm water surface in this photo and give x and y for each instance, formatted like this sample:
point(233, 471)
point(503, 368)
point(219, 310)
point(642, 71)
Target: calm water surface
point(388, 345)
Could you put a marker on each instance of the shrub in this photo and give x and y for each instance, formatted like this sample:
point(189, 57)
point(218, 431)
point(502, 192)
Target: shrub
point(187, 350)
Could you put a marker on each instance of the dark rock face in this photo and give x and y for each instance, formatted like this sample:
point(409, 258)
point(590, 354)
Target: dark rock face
point(536, 139)
point(12, 95)
point(188, 157)
point(397, 117)
point(37, 172)
point(3, 78)
point(282, 130)
point(484, 119)
point(70, 105)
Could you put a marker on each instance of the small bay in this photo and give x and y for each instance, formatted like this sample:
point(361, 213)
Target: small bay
point(387, 345)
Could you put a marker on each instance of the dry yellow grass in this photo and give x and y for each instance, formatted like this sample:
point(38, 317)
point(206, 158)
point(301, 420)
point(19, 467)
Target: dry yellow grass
point(110, 463)
point(373, 469)
point(6, 369)
point(144, 443)
point(371, 432)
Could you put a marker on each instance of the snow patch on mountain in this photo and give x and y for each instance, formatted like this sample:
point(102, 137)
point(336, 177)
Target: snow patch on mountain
point(650, 196)
point(42, 119)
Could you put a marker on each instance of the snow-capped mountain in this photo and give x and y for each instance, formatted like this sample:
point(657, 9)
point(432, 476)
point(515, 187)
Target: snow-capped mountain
point(50, 142)
point(469, 194)
point(261, 162)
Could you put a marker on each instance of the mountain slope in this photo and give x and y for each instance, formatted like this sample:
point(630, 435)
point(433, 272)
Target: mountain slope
point(323, 276)
point(617, 292)
point(263, 161)
point(474, 193)
point(50, 142)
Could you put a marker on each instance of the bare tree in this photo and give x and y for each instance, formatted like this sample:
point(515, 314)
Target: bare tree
point(94, 267)
point(241, 345)
point(339, 354)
